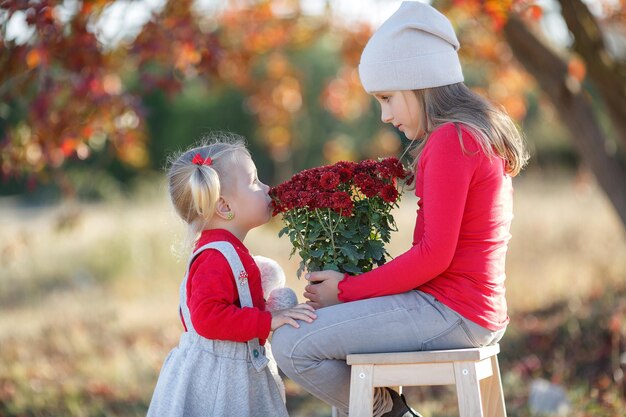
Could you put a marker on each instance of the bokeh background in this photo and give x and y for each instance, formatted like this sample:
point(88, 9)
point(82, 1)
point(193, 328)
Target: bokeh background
point(96, 94)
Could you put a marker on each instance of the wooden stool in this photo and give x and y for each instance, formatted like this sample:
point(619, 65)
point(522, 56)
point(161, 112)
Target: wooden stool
point(474, 372)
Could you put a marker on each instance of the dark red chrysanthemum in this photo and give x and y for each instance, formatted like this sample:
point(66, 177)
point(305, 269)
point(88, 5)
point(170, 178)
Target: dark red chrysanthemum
point(345, 174)
point(329, 180)
point(341, 200)
point(313, 188)
point(389, 193)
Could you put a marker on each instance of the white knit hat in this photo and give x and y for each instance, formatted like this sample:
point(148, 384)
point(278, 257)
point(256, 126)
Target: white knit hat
point(415, 48)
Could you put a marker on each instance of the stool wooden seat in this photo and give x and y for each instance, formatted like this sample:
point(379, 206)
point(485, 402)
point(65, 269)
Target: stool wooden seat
point(474, 372)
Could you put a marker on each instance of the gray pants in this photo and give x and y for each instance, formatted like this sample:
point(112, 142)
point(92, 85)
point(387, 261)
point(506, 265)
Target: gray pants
point(314, 355)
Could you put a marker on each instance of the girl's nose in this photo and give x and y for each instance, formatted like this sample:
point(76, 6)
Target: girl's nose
point(386, 116)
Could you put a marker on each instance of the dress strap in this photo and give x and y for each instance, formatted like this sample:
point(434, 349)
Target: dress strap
point(257, 357)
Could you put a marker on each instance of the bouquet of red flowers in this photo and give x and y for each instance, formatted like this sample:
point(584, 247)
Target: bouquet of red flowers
point(339, 216)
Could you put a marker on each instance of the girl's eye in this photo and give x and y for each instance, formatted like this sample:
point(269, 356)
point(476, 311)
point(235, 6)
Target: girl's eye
point(385, 98)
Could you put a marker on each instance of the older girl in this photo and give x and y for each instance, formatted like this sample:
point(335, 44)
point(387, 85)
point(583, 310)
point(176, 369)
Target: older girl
point(447, 290)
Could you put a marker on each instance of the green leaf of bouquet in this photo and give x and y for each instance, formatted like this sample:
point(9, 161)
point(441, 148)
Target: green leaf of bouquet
point(283, 231)
point(351, 252)
point(348, 233)
point(375, 249)
point(330, 266)
point(316, 253)
point(314, 234)
point(301, 269)
point(352, 269)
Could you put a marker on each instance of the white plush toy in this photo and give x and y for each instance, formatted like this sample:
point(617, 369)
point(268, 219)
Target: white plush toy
point(278, 297)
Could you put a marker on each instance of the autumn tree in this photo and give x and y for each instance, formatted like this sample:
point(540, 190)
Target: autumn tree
point(62, 96)
point(67, 97)
point(561, 77)
point(577, 81)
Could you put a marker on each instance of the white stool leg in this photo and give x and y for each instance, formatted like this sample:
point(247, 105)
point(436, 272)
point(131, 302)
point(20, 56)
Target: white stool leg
point(491, 392)
point(361, 391)
point(334, 412)
point(468, 389)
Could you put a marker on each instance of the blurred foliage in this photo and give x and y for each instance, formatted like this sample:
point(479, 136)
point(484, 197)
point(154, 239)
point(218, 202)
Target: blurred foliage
point(284, 79)
point(67, 97)
point(577, 342)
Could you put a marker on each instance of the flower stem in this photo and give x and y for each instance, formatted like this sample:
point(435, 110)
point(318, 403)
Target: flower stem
point(329, 231)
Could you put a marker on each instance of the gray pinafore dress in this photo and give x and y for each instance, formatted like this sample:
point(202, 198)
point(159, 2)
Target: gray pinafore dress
point(217, 378)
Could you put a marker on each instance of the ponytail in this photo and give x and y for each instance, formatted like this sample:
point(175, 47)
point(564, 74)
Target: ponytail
point(196, 177)
point(204, 184)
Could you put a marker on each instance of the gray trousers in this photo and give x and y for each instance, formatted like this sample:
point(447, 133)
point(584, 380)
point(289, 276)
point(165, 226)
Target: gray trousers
point(314, 355)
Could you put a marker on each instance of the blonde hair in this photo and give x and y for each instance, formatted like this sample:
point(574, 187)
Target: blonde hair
point(491, 127)
point(195, 188)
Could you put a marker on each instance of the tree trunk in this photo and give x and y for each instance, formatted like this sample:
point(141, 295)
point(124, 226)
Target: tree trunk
point(574, 108)
point(607, 74)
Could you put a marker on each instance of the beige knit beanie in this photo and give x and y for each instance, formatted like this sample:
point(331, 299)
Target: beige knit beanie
point(415, 48)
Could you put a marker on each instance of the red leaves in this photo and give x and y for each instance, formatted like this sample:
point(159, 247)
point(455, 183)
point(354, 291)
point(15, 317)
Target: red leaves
point(36, 57)
point(498, 11)
point(66, 91)
point(534, 12)
point(576, 69)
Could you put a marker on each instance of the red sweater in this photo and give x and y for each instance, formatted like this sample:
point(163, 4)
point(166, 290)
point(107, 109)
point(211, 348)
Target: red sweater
point(212, 294)
point(461, 233)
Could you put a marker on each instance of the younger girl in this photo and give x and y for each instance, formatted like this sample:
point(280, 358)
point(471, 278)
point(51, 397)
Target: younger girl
point(219, 367)
point(447, 290)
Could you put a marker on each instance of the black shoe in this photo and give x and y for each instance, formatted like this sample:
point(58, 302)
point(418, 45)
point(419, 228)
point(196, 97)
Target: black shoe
point(400, 407)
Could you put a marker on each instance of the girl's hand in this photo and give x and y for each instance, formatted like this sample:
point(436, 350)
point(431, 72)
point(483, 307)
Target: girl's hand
point(324, 292)
point(290, 315)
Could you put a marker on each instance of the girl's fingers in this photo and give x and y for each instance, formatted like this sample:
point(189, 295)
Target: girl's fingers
point(304, 308)
point(293, 323)
point(310, 296)
point(316, 276)
point(302, 315)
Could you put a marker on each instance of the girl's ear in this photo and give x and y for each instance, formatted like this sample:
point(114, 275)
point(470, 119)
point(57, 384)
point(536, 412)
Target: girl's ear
point(223, 210)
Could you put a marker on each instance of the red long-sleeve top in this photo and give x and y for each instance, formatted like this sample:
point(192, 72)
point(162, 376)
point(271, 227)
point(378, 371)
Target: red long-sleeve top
point(212, 295)
point(461, 233)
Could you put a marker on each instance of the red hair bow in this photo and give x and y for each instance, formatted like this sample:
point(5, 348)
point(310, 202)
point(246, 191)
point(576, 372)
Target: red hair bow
point(199, 160)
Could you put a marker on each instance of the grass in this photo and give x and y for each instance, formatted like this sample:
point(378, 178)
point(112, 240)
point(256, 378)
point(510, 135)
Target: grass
point(89, 293)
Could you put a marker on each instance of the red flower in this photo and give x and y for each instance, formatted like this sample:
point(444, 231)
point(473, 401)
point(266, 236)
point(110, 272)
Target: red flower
point(329, 180)
point(389, 193)
point(342, 203)
point(368, 185)
point(345, 170)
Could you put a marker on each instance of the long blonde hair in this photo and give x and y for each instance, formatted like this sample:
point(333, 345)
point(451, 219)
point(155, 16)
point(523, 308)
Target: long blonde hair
point(491, 127)
point(195, 188)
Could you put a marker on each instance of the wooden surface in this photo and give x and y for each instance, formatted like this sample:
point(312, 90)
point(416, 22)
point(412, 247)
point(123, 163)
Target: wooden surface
point(433, 356)
point(474, 372)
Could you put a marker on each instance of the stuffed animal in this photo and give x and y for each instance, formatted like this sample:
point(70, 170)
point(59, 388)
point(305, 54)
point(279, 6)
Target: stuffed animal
point(278, 297)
